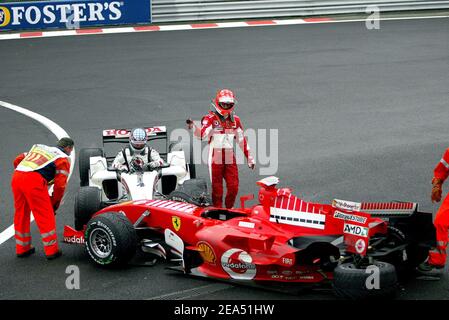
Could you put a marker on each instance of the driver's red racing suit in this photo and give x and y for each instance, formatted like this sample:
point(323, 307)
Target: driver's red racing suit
point(221, 132)
point(437, 257)
point(123, 159)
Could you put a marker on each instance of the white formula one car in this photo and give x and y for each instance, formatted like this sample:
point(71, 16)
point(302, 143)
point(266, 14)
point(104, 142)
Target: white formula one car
point(102, 186)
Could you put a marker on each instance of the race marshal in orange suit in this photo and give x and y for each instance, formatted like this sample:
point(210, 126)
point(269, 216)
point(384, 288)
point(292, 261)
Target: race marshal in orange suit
point(35, 171)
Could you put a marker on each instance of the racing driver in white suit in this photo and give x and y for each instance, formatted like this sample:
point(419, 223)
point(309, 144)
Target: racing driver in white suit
point(137, 152)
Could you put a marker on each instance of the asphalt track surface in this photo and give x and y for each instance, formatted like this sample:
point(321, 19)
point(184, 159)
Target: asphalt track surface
point(362, 115)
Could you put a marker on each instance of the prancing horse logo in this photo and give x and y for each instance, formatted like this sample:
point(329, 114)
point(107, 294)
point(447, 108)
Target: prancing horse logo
point(176, 223)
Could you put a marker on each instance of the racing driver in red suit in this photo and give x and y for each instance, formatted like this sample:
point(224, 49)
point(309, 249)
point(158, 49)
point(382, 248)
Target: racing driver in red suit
point(221, 127)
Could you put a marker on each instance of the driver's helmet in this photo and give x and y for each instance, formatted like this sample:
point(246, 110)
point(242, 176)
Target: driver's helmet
point(224, 102)
point(138, 140)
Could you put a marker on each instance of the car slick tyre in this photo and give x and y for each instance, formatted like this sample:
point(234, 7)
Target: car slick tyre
point(181, 196)
point(84, 163)
point(193, 191)
point(351, 282)
point(111, 239)
point(87, 202)
point(198, 200)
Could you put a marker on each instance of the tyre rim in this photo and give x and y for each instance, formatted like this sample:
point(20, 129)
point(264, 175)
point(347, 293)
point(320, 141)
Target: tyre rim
point(101, 243)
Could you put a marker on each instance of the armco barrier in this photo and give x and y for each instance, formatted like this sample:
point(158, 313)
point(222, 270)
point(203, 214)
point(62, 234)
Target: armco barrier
point(197, 10)
point(72, 14)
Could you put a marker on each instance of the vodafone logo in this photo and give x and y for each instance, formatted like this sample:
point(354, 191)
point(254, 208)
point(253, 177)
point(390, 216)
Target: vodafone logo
point(238, 264)
point(360, 246)
point(74, 239)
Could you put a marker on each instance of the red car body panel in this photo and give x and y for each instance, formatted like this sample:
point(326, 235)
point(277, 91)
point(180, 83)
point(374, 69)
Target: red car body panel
point(257, 242)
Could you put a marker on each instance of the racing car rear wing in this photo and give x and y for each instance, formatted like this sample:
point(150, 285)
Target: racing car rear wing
point(378, 208)
point(122, 136)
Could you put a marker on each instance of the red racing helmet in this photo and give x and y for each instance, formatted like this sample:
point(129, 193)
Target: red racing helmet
point(224, 102)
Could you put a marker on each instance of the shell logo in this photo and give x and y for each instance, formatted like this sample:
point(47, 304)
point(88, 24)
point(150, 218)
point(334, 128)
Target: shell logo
point(5, 16)
point(207, 253)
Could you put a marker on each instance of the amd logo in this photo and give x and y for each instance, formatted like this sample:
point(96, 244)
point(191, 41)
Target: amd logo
point(356, 230)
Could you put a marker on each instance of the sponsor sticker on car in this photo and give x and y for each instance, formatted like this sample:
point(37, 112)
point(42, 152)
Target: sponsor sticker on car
point(360, 246)
point(346, 205)
point(125, 133)
point(349, 217)
point(74, 239)
point(238, 264)
point(206, 252)
point(246, 224)
point(287, 261)
point(356, 230)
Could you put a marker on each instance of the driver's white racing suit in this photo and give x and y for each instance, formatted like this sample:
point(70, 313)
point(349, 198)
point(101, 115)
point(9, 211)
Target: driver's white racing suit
point(149, 156)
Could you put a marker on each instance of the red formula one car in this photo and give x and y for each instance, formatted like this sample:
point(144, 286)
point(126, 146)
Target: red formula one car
point(281, 239)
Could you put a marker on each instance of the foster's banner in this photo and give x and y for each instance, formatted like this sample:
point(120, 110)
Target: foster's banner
point(73, 14)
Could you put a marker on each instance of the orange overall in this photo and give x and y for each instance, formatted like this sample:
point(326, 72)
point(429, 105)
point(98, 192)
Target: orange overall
point(34, 171)
point(437, 257)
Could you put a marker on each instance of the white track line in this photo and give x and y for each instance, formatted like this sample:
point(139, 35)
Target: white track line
point(55, 129)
